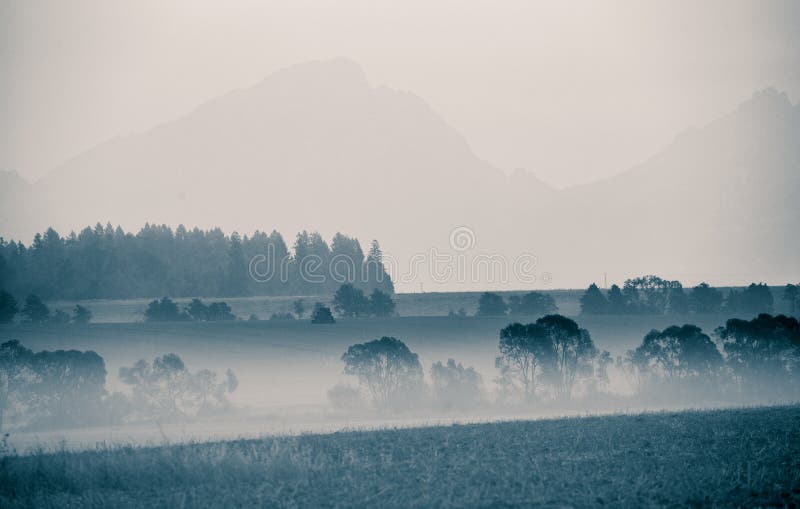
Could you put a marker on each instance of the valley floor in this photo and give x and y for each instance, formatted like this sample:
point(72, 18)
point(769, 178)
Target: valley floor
point(714, 458)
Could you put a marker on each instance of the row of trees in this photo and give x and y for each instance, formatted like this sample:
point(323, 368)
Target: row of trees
point(67, 388)
point(758, 357)
point(554, 359)
point(653, 295)
point(107, 262)
point(529, 304)
point(348, 301)
point(166, 310)
point(36, 311)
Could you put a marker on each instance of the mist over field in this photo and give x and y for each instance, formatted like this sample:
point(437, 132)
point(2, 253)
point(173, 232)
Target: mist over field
point(379, 255)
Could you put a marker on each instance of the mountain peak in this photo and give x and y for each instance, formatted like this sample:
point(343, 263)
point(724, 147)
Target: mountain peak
point(334, 73)
point(767, 101)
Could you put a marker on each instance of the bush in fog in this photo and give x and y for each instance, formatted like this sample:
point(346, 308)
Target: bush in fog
point(81, 315)
point(34, 310)
point(220, 311)
point(381, 304)
point(389, 372)
point(322, 314)
point(164, 310)
point(532, 304)
point(491, 304)
point(167, 389)
point(549, 357)
point(763, 353)
point(63, 387)
point(8, 307)
point(455, 386)
point(675, 358)
point(344, 397)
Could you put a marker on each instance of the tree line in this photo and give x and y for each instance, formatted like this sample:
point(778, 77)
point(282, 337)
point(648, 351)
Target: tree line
point(654, 295)
point(554, 360)
point(67, 388)
point(551, 360)
point(107, 262)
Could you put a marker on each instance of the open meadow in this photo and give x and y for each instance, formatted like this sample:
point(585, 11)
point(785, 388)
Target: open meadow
point(720, 458)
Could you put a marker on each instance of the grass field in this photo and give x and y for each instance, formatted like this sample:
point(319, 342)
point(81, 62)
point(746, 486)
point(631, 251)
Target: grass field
point(722, 458)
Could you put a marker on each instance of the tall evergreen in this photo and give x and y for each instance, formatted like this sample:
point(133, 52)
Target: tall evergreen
point(107, 262)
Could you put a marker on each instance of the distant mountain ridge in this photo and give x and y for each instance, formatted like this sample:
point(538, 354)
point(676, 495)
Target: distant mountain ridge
point(314, 146)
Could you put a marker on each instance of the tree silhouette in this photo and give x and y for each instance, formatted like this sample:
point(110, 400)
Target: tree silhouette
point(386, 368)
point(676, 352)
point(350, 301)
point(8, 307)
point(532, 304)
point(491, 304)
point(764, 351)
point(526, 351)
point(791, 294)
point(757, 298)
point(322, 314)
point(593, 302)
point(35, 310)
point(455, 386)
point(705, 299)
point(573, 348)
point(164, 310)
point(617, 302)
point(381, 304)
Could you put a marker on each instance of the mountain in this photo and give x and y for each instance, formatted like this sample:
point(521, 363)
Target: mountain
point(719, 203)
point(316, 146)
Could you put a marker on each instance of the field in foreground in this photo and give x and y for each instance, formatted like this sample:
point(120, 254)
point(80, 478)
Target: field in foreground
point(723, 458)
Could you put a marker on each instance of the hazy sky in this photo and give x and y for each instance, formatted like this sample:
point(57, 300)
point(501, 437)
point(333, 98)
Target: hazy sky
point(572, 91)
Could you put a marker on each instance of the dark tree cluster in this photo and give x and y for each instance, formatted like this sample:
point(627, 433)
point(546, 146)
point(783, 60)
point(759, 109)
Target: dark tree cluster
point(549, 358)
point(166, 389)
point(167, 310)
point(763, 353)
point(653, 295)
point(530, 304)
point(38, 389)
point(791, 294)
point(349, 301)
point(389, 372)
point(107, 262)
point(66, 388)
point(759, 356)
point(34, 310)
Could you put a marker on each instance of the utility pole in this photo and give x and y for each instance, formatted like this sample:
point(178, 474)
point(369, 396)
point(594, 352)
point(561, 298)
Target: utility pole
point(605, 281)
